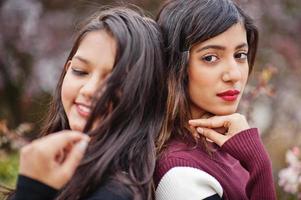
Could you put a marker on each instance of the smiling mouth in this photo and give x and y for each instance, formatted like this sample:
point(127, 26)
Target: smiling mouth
point(83, 110)
point(229, 95)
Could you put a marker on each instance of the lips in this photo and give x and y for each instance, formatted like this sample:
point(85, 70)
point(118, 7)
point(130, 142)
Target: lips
point(83, 109)
point(229, 95)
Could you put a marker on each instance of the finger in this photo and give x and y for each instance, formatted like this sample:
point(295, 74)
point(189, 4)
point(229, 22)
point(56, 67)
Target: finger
point(210, 134)
point(74, 157)
point(212, 122)
point(58, 141)
point(194, 133)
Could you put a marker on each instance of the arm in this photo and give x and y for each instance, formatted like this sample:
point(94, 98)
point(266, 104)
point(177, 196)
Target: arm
point(188, 183)
point(245, 145)
point(249, 150)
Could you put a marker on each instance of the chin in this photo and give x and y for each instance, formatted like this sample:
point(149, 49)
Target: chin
point(223, 111)
point(76, 127)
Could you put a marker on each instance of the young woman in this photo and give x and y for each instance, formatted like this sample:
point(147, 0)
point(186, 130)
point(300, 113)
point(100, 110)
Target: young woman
point(112, 88)
point(206, 149)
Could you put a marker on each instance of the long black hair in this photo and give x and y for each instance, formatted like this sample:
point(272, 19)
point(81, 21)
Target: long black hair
point(185, 23)
point(129, 113)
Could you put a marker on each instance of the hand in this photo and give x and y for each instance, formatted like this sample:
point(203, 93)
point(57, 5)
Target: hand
point(54, 158)
point(232, 124)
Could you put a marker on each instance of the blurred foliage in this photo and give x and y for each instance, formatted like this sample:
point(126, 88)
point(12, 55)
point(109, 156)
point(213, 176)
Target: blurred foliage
point(9, 169)
point(11, 140)
point(35, 40)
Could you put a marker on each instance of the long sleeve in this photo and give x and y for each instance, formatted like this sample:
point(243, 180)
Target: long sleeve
point(249, 150)
point(30, 189)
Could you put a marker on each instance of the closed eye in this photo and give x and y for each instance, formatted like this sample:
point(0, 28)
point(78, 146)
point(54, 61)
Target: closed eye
point(78, 72)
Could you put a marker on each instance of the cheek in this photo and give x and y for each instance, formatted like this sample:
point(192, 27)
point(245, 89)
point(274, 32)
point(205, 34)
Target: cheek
point(201, 85)
point(68, 93)
point(245, 76)
point(201, 81)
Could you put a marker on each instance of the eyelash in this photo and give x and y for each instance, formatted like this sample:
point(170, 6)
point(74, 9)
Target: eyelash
point(241, 53)
point(77, 72)
point(209, 56)
point(236, 56)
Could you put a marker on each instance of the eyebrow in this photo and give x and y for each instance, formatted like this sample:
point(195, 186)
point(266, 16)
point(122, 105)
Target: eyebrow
point(87, 62)
point(218, 47)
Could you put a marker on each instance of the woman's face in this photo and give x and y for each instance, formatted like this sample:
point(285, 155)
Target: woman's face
point(90, 66)
point(217, 72)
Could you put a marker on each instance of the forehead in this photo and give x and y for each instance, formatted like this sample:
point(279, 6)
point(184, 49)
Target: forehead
point(98, 48)
point(232, 37)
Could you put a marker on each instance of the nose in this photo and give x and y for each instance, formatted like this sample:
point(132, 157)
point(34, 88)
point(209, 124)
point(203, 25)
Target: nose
point(90, 87)
point(232, 72)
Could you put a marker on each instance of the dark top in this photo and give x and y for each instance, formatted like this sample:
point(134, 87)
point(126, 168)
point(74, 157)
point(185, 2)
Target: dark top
point(30, 189)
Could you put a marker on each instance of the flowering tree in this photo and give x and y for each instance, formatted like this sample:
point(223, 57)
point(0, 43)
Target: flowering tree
point(290, 177)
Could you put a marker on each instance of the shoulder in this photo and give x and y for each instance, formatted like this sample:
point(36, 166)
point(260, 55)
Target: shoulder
point(28, 188)
point(181, 182)
point(178, 155)
point(111, 190)
point(179, 151)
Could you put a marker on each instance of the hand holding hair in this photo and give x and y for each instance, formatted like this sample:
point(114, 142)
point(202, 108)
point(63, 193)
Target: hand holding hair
point(233, 124)
point(54, 158)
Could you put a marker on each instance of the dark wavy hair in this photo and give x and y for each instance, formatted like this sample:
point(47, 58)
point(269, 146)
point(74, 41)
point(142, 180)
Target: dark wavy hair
point(128, 114)
point(183, 24)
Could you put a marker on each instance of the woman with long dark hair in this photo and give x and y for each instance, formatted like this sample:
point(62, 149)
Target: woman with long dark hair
point(112, 88)
point(207, 150)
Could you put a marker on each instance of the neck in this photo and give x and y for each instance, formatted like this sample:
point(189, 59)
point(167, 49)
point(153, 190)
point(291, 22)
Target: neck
point(197, 113)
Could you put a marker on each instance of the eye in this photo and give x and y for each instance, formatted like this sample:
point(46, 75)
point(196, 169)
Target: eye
point(210, 58)
point(241, 56)
point(78, 72)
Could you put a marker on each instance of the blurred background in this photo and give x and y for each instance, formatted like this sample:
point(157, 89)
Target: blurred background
point(35, 39)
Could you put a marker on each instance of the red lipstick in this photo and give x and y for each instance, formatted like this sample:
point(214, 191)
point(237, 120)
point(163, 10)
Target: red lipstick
point(229, 95)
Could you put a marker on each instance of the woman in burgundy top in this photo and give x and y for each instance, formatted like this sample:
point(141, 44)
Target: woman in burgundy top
point(206, 149)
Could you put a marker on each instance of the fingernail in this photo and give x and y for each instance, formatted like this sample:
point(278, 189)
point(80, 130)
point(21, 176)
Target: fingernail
point(200, 130)
point(191, 122)
point(82, 145)
point(87, 138)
